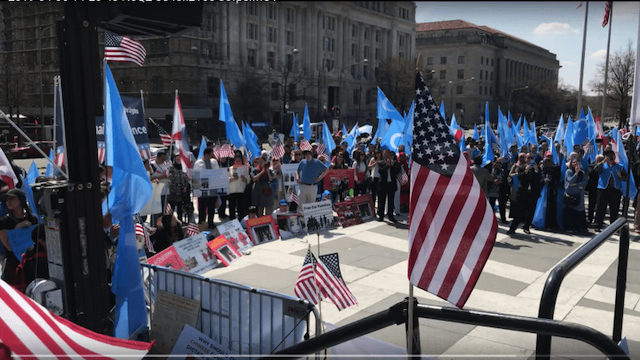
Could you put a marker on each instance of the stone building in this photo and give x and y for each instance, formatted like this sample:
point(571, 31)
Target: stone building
point(467, 65)
point(273, 57)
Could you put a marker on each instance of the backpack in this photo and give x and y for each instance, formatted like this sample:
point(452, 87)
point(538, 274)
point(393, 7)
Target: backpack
point(21, 281)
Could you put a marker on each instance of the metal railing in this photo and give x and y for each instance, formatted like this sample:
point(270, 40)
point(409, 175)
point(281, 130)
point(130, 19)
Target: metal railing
point(565, 266)
point(245, 320)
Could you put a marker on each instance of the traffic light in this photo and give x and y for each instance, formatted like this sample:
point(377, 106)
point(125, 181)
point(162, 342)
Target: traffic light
point(333, 110)
point(337, 110)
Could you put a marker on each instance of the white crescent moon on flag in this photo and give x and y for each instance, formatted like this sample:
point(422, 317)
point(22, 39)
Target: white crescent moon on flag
point(385, 106)
point(392, 141)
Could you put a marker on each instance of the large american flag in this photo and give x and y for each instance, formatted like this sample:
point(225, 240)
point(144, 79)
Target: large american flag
point(452, 228)
point(123, 48)
point(164, 136)
point(325, 282)
point(31, 331)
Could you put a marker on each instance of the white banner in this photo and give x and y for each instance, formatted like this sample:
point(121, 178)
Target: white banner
point(154, 206)
point(236, 235)
point(318, 215)
point(195, 254)
point(210, 182)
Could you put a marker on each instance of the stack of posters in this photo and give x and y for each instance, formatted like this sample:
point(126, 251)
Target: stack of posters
point(224, 250)
point(365, 206)
point(190, 254)
point(235, 234)
point(348, 213)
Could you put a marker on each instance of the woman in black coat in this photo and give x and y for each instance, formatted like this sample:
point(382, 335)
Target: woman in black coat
point(389, 169)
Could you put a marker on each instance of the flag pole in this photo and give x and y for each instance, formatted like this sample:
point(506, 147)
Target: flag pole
point(634, 110)
point(606, 63)
point(64, 133)
point(584, 45)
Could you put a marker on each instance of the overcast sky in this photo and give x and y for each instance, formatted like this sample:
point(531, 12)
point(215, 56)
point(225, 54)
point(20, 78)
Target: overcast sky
point(555, 26)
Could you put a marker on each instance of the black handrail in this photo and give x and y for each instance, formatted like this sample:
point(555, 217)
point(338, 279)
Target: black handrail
point(397, 314)
point(564, 267)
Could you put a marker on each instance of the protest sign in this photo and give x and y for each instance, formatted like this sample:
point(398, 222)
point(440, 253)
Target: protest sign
point(193, 342)
point(168, 258)
point(290, 225)
point(318, 215)
point(365, 206)
point(262, 229)
point(239, 171)
point(233, 231)
point(135, 113)
point(210, 182)
point(195, 254)
point(224, 250)
point(348, 213)
point(335, 177)
point(169, 314)
point(289, 174)
point(154, 206)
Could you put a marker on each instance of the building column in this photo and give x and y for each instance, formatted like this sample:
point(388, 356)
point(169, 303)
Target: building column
point(394, 39)
point(236, 54)
point(320, 44)
point(339, 42)
point(262, 33)
point(281, 41)
point(303, 58)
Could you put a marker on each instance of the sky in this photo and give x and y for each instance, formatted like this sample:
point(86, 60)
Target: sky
point(555, 26)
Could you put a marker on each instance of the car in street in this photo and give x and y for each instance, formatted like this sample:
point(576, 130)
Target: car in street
point(29, 151)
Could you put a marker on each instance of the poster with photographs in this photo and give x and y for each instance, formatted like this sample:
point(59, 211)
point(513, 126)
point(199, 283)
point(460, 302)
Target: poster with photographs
point(365, 206)
point(195, 254)
point(289, 174)
point(290, 225)
point(168, 258)
point(210, 182)
point(224, 250)
point(233, 231)
point(239, 171)
point(318, 215)
point(335, 177)
point(262, 229)
point(348, 213)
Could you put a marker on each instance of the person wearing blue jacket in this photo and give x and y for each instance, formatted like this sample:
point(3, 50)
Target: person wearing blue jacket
point(610, 178)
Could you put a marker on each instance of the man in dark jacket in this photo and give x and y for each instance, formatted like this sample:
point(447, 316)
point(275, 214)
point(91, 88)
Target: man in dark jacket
point(526, 195)
point(389, 169)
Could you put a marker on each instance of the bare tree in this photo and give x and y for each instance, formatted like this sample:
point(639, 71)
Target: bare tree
point(251, 96)
point(396, 78)
point(619, 82)
point(290, 86)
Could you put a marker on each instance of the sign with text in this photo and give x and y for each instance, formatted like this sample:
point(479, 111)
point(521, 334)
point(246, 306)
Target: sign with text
point(289, 174)
point(193, 342)
point(336, 177)
point(135, 113)
point(195, 254)
point(168, 258)
point(233, 231)
point(318, 215)
point(169, 314)
point(224, 250)
point(210, 182)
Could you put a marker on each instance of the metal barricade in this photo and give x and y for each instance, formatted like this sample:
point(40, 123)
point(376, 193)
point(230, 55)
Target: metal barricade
point(245, 320)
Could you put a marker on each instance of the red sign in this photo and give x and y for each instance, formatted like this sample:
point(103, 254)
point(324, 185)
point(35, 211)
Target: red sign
point(337, 176)
point(168, 258)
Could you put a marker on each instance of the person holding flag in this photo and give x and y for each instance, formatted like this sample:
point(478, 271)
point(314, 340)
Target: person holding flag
point(610, 178)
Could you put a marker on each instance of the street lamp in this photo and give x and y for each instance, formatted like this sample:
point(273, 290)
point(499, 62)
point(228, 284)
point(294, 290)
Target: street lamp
point(365, 61)
point(285, 77)
point(509, 105)
point(41, 84)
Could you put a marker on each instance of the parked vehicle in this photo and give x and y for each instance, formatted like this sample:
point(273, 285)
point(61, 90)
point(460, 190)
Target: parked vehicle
point(24, 152)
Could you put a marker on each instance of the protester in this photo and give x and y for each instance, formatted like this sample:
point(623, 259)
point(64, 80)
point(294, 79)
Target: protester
point(500, 187)
point(483, 175)
point(168, 231)
point(389, 170)
point(286, 158)
point(19, 216)
point(338, 188)
point(359, 173)
point(610, 180)
point(550, 173)
point(262, 195)
point(207, 203)
point(310, 172)
point(223, 162)
point(160, 169)
point(374, 174)
point(282, 209)
point(34, 264)
point(592, 189)
point(524, 194)
point(179, 194)
point(238, 180)
point(277, 181)
point(573, 217)
point(252, 213)
point(405, 189)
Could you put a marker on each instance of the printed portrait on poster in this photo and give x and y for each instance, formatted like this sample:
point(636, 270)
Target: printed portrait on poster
point(262, 229)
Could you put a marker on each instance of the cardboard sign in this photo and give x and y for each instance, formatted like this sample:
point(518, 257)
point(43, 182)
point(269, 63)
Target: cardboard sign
point(168, 258)
point(348, 213)
point(170, 313)
point(210, 182)
point(224, 250)
point(289, 174)
point(193, 342)
point(318, 215)
point(290, 225)
point(235, 234)
point(365, 206)
point(262, 229)
point(337, 176)
point(195, 254)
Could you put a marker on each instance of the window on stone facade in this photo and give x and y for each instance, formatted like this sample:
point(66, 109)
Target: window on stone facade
point(460, 73)
point(429, 61)
point(367, 98)
point(251, 58)
point(377, 54)
point(492, 76)
point(289, 61)
point(354, 50)
point(400, 40)
point(356, 96)
point(275, 91)
point(213, 86)
point(271, 59)
point(328, 64)
point(485, 90)
point(366, 33)
point(252, 31)
point(459, 89)
point(290, 38)
point(443, 60)
point(354, 30)
point(272, 35)
point(443, 74)
point(486, 74)
point(481, 60)
point(290, 16)
point(480, 90)
point(491, 91)
point(378, 34)
point(251, 9)
point(401, 54)
point(367, 55)
point(460, 59)
point(365, 72)
point(491, 62)
point(292, 92)
point(329, 23)
point(271, 12)
point(480, 74)
point(157, 84)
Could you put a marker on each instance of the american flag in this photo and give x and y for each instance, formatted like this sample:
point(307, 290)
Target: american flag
point(145, 154)
point(216, 152)
point(293, 197)
point(321, 148)
point(277, 152)
point(123, 48)
point(60, 159)
point(226, 151)
point(168, 209)
point(452, 228)
point(192, 229)
point(142, 231)
point(607, 13)
point(403, 178)
point(323, 157)
point(102, 153)
point(304, 145)
point(31, 331)
point(164, 136)
point(328, 280)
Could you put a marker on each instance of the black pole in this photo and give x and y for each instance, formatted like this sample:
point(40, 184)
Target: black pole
point(416, 349)
point(621, 283)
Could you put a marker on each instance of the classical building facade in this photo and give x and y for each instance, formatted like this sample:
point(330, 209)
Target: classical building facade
point(468, 65)
point(273, 58)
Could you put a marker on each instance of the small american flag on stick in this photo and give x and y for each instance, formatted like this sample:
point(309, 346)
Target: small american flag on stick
point(164, 136)
point(123, 48)
point(142, 231)
point(304, 145)
point(192, 229)
point(321, 148)
point(277, 152)
point(293, 197)
point(607, 13)
point(168, 210)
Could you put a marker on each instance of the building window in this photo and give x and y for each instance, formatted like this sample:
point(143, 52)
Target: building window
point(290, 16)
point(251, 58)
point(443, 60)
point(459, 89)
point(252, 31)
point(272, 35)
point(157, 84)
point(378, 34)
point(289, 61)
point(290, 38)
point(354, 50)
point(366, 53)
point(271, 59)
point(271, 12)
point(481, 60)
point(429, 61)
point(401, 54)
point(459, 106)
point(486, 74)
point(461, 74)
point(485, 90)
point(367, 99)
point(400, 40)
point(213, 86)
point(356, 96)
point(251, 9)
point(365, 72)
point(366, 33)
point(460, 59)
point(328, 64)
point(480, 74)
point(492, 76)
point(377, 54)
point(354, 30)
point(491, 91)
point(292, 92)
point(491, 62)
point(480, 90)
point(275, 91)
point(329, 23)
point(443, 74)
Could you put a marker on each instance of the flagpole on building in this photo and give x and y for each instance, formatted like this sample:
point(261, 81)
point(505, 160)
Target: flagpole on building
point(584, 45)
point(606, 63)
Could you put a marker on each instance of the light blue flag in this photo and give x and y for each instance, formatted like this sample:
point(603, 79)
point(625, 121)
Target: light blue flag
point(559, 137)
point(327, 139)
point(533, 136)
point(527, 131)
point(355, 131)
point(546, 139)
point(251, 140)
point(593, 134)
point(20, 240)
point(394, 137)
point(225, 109)
point(49, 171)
point(234, 135)
point(344, 130)
point(130, 191)
point(26, 187)
point(582, 115)
point(455, 129)
point(540, 214)
point(306, 124)
point(442, 113)
point(381, 130)
point(568, 137)
point(505, 133)
point(624, 161)
point(203, 145)
point(581, 131)
point(476, 135)
point(33, 173)
point(488, 155)
point(386, 110)
point(295, 128)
